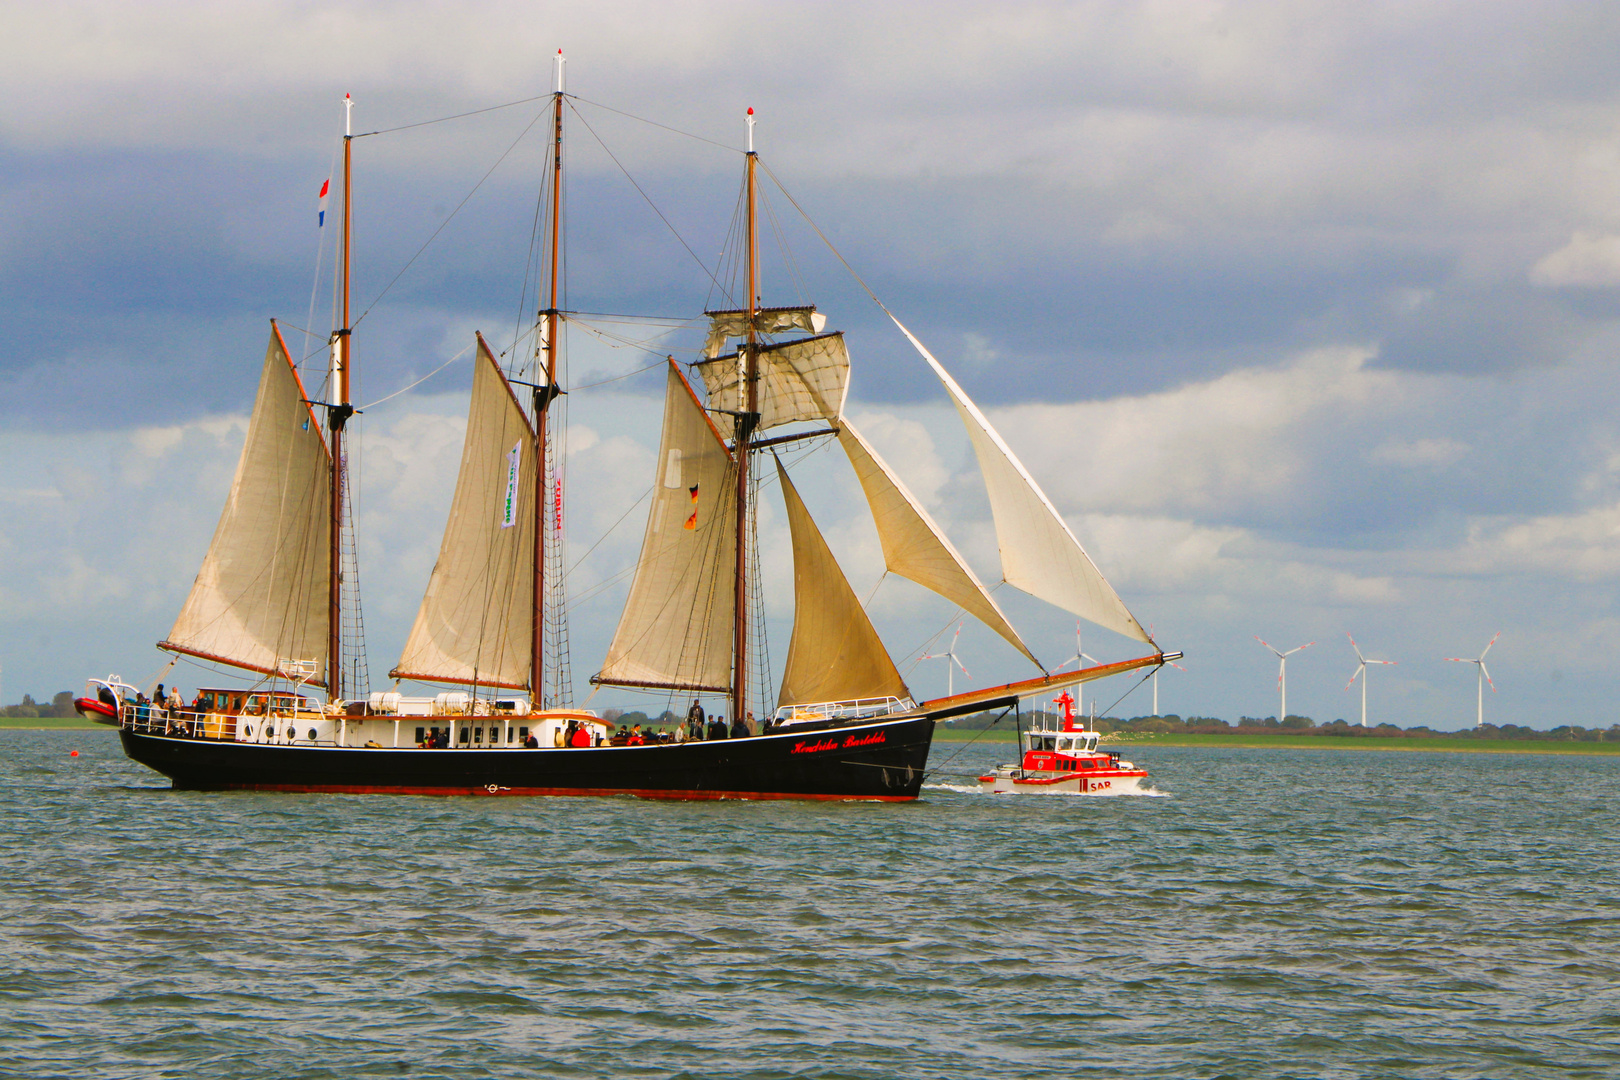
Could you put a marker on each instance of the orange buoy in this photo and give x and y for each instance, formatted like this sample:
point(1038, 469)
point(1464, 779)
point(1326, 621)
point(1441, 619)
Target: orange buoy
point(74, 754)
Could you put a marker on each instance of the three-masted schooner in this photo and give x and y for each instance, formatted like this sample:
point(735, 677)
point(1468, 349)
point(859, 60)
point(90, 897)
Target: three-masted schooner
point(270, 595)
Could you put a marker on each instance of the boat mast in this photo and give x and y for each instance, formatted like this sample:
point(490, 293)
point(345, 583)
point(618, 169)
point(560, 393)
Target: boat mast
point(338, 412)
point(748, 418)
point(543, 396)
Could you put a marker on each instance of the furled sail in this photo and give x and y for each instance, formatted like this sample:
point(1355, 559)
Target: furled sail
point(913, 545)
point(475, 623)
point(1038, 552)
point(676, 629)
point(260, 598)
point(769, 321)
point(805, 379)
point(835, 653)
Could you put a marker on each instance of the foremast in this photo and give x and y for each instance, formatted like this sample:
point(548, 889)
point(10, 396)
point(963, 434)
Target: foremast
point(338, 412)
point(747, 419)
point(545, 392)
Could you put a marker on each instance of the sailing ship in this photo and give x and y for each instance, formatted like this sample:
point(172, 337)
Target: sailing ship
point(277, 589)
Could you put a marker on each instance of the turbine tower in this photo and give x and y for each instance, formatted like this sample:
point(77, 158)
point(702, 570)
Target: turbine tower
point(1173, 664)
point(1282, 673)
point(1484, 677)
point(949, 656)
point(1361, 670)
point(1079, 655)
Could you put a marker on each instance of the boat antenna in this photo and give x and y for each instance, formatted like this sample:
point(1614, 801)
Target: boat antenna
point(338, 412)
point(545, 392)
point(747, 420)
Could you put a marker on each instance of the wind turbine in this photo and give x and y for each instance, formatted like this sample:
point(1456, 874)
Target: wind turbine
point(1282, 673)
point(1079, 655)
point(949, 656)
point(1361, 669)
point(1484, 677)
point(1173, 664)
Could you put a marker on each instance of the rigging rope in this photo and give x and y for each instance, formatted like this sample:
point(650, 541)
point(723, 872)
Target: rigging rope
point(420, 381)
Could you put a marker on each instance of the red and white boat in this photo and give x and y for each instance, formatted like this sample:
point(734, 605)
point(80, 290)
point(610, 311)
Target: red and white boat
point(1064, 761)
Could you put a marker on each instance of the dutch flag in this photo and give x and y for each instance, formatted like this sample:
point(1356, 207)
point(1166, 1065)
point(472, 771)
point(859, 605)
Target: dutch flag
point(326, 186)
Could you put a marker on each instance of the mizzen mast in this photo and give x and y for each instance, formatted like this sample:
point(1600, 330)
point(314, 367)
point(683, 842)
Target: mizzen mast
point(338, 412)
point(544, 393)
point(747, 420)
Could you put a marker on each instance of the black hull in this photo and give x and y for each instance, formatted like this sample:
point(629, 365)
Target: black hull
point(881, 760)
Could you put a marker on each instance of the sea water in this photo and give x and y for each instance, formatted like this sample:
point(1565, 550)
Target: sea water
point(1301, 913)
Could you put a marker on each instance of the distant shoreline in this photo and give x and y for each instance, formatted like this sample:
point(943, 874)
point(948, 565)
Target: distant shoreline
point(1316, 742)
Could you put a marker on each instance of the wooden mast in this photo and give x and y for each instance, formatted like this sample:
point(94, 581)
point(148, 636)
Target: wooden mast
point(338, 413)
point(543, 396)
point(748, 357)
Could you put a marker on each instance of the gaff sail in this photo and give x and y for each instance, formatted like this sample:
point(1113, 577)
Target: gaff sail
point(260, 598)
point(473, 626)
point(676, 630)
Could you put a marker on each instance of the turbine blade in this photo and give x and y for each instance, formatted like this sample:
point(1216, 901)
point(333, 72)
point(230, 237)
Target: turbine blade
point(1358, 671)
point(1267, 644)
point(1488, 647)
point(1459, 660)
point(1356, 647)
point(1485, 671)
point(1175, 665)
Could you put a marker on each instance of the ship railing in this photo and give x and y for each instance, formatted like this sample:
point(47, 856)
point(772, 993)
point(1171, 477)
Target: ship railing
point(854, 709)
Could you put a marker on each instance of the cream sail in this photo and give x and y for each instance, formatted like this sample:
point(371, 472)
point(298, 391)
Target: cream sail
point(260, 599)
point(1038, 552)
point(806, 379)
point(913, 546)
point(474, 625)
point(835, 653)
point(676, 629)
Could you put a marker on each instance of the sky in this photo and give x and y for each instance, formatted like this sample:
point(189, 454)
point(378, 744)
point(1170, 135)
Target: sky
point(1302, 314)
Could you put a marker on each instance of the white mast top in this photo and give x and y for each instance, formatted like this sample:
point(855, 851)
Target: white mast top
point(750, 129)
point(559, 68)
point(348, 116)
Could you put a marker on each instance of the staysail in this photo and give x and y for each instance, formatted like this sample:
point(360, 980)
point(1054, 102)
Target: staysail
point(835, 653)
point(914, 546)
point(260, 598)
point(474, 623)
point(804, 379)
point(676, 629)
point(1038, 552)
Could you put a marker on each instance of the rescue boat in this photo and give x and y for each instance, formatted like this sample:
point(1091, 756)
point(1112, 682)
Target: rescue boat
point(1064, 761)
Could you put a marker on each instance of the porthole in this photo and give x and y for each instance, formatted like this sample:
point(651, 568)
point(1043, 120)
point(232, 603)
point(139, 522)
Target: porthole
point(311, 734)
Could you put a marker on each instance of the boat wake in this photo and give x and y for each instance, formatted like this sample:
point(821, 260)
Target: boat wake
point(975, 789)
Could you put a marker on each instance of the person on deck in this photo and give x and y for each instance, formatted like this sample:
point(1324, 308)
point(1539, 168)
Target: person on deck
point(694, 720)
point(739, 728)
point(680, 733)
point(532, 742)
point(636, 738)
point(717, 728)
point(581, 739)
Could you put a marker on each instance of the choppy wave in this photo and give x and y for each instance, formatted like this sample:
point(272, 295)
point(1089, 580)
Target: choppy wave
point(1285, 914)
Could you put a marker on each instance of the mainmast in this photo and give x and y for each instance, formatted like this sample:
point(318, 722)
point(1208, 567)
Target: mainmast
point(338, 412)
point(544, 394)
point(747, 419)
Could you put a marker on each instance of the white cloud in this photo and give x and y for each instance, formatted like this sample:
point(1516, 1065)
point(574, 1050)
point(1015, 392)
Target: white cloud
point(1588, 259)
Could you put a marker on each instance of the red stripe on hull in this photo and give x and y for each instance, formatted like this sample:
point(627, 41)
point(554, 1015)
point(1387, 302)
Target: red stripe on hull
point(380, 789)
